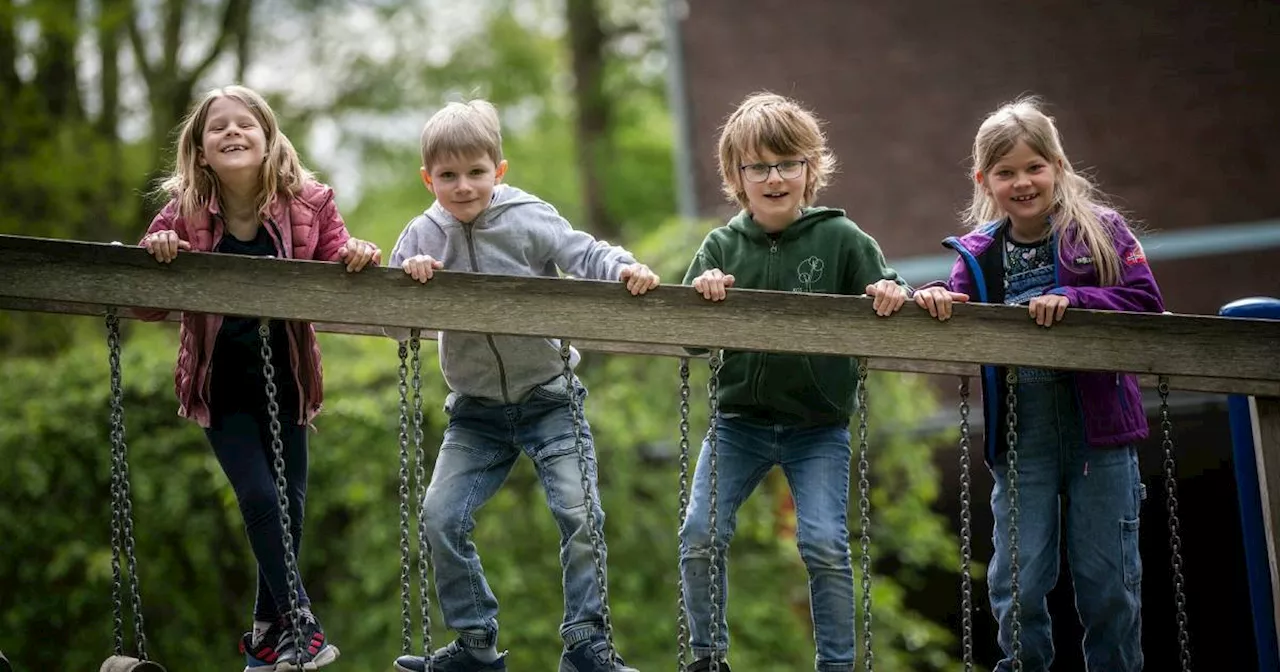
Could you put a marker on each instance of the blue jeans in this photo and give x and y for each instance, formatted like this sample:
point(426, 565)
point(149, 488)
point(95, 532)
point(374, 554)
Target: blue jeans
point(242, 443)
point(481, 444)
point(1091, 494)
point(815, 461)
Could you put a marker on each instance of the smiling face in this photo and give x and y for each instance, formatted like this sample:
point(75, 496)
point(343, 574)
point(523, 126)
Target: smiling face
point(1022, 184)
point(464, 185)
point(775, 201)
point(233, 144)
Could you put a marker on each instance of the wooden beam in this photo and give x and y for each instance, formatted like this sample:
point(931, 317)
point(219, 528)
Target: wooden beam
point(1185, 383)
point(1223, 349)
point(1265, 415)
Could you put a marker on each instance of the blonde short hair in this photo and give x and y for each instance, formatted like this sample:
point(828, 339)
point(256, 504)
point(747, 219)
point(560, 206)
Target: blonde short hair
point(194, 186)
point(782, 126)
point(1077, 203)
point(462, 130)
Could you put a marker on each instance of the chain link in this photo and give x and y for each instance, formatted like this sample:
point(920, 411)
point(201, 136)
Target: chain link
point(117, 424)
point(122, 508)
point(420, 492)
point(1175, 526)
point(596, 535)
point(966, 532)
point(716, 361)
point(864, 515)
point(682, 621)
point(406, 606)
point(282, 489)
point(1015, 590)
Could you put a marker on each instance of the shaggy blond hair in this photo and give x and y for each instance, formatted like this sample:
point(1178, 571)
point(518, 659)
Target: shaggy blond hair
point(782, 126)
point(462, 130)
point(1075, 198)
point(195, 186)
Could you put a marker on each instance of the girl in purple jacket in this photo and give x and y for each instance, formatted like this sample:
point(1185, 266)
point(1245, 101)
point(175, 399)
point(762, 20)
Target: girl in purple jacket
point(1042, 238)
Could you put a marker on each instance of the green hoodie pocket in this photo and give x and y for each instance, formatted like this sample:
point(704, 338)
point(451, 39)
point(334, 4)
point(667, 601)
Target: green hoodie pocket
point(815, 388)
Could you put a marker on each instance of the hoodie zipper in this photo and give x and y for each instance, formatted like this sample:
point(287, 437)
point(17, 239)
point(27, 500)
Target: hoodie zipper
point(764, 356)
point(493, 347)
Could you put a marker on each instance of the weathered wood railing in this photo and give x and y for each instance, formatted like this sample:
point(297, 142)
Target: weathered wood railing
point(1210, 354)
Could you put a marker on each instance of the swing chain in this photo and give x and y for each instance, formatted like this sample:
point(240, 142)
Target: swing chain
point(1175, 537)
point(117, 423)
point(282, 486)
point(122, 506)
point(966, 531)
point(864, 513)
point(1015, 590)
point(420, 492)
point(716, 362)
point(683, 614)
point(597, 541)
point(406, 643)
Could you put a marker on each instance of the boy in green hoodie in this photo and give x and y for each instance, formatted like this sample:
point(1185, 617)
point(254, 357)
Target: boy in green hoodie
point(780, 409)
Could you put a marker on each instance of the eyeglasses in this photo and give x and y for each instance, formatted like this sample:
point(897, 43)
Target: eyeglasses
point(759, 172)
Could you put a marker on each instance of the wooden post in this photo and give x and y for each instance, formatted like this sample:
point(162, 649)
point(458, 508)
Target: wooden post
point(1265, 415)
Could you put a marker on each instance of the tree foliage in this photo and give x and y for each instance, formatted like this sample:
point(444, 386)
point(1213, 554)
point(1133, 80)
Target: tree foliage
point(79, 147)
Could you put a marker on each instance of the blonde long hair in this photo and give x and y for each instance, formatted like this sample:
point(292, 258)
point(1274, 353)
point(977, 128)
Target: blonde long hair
point(194, 186)
point(1076, 200)
point(781, 125)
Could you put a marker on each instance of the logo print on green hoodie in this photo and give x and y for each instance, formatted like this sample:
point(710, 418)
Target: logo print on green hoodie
point(808, 273)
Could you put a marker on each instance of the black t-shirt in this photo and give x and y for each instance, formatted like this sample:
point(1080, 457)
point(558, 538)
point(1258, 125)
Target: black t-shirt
point(237, 380)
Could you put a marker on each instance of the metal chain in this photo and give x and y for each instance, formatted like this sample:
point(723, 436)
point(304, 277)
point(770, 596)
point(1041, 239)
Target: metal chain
point(597, 542)
point(682, 657)
point(1015, 590)
point(420, 492)
point(1175, 526)
point(406, 637)
point(864, 514)
point(282, 498)
point(716, 361)
point(117, 425)
point(966, 532)
point(125, 506)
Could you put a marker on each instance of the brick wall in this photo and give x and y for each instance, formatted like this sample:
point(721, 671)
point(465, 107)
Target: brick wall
point(1174, 106)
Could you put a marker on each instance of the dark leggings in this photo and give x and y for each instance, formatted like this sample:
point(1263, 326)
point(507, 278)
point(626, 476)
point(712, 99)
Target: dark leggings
point(242, 443)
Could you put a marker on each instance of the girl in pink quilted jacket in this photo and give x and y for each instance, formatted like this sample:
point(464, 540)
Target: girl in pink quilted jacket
point(238, 187)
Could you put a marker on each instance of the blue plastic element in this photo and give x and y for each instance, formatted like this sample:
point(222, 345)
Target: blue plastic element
point(1251, 527)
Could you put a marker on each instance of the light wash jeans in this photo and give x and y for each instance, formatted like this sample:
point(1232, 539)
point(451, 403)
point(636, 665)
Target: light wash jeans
point(481, 445)
point(815, 461)
point(1093, 496)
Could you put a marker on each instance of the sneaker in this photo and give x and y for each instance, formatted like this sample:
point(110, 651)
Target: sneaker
point(704, 665)
point(263, 656)
point(453, 658)
point(317, 651)
point(274, 652)
point(592, 655)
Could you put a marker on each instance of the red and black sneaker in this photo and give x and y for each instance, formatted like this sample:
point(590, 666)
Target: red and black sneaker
point(263, 656)
point(274, 651)
point(317, 651)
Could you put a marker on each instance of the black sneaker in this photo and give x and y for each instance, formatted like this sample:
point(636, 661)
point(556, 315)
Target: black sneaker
point(704, 665)
point(592, 655)
point(453, 658)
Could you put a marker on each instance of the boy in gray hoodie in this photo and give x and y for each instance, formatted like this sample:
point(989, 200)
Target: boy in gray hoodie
point(508, 394)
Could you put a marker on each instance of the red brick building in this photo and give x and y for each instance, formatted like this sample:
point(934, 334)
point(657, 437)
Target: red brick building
point(1174, 107)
